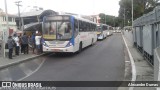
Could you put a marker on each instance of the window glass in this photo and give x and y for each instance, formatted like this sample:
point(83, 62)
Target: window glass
point(76, 28)
point(10, 19)
point(57, 30)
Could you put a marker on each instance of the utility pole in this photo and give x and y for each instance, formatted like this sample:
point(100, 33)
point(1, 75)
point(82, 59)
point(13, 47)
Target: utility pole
point(114, 20)
point(6, 32)
point(18, 5)
point(132, 14)
point(124, 16)
point(105, 18)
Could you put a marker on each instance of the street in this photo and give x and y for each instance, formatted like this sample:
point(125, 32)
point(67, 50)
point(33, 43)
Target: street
point(103, 61)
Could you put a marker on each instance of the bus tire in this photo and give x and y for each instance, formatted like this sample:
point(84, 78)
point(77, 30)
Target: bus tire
point(80, 47)
point(92, 42)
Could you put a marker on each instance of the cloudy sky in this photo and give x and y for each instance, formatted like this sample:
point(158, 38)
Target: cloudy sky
point(84, 7)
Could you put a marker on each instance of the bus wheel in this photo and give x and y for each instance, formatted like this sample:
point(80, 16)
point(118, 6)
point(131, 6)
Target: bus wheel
point(92, 42)
point(80, 47)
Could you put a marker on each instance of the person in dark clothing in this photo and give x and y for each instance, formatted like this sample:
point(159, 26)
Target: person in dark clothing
point(33, 42)
point(24, 41)
point(10, 43)
point(20, 43)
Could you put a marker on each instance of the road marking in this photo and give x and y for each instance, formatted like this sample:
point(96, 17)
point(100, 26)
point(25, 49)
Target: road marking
point(5, 75)
point(25, 69)
point(132, 63)
point(127, 61)
point(34, 71)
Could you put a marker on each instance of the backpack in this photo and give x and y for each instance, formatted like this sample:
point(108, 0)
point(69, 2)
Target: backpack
point(14, 43)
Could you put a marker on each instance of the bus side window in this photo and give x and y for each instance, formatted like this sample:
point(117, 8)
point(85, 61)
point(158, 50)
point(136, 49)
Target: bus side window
point(83, 26)
point(80, 26)
point(76, 27)
point(87, 28)
point(91, 27)
point(94, 27)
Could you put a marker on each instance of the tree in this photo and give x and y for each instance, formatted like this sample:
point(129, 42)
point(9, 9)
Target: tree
point(110, 20)
point(140, 7)
point(102, 17)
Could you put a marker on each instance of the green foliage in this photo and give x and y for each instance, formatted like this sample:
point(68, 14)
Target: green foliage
point(140, 7)
point(110, 20)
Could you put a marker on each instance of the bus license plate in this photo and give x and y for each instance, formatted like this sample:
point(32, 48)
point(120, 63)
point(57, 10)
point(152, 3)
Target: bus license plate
point(56, 50)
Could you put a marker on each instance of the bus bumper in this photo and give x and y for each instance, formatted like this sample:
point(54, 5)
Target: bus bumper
point(66, 49)
point(100, 37)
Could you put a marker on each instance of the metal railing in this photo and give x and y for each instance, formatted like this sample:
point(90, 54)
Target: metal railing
point(146, 32)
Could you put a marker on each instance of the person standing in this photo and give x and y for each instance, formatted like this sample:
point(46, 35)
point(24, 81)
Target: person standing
point(33, 42)
point(24, 41)
point(16, 39)
point(20, 43)
point(38, 42)
point(30, 42)
point(10, 46)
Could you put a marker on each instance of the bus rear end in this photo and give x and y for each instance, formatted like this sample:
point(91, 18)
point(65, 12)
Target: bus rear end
point(99, 32)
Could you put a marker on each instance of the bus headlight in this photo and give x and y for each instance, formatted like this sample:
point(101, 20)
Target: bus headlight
point(45, 44)
point(69, 44)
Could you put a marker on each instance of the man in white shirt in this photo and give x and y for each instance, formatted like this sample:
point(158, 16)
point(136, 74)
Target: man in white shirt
point(38, 42)
point(16, 39)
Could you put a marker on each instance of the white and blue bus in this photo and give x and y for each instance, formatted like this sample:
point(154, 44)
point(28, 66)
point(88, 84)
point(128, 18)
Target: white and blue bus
point(66, 33)
point(102, 31)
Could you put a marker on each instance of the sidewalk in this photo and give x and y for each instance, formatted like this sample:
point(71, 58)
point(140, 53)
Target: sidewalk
point(144, 71)
point(5, 62)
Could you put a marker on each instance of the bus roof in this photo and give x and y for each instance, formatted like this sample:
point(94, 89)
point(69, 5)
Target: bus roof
point(79, 18)
point(100, 24)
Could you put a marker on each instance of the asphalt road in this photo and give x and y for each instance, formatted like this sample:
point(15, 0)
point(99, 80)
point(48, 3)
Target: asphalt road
point(103, 61)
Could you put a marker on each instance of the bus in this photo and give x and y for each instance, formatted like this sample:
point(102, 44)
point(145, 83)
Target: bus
point(67, 33)
point(110, 31)
point(102, 31)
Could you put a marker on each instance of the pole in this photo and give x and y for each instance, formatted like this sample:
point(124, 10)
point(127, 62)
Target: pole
point(132, 14)
point(6, 32)
point(18, 4)
point(114, 21)
point(124, 16)
point(105, 18)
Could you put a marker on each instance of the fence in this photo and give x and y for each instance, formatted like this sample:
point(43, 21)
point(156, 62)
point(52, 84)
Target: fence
point(156, 64)
point(146, 33)
point(1, 50)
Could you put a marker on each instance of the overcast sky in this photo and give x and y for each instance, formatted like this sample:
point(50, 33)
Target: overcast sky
point(84, 7)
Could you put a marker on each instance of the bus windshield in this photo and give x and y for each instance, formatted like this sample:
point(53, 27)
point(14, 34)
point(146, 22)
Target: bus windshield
point(99, 29)
point(57, 30)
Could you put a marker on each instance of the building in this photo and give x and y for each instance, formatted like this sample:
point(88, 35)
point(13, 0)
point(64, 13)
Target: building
point(67, 13)
point(94, 18)
point(32, 21)
point(11, 23)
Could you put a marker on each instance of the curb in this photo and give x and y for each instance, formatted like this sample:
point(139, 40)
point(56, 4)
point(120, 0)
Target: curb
point(132, 63)
point(21, 61)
